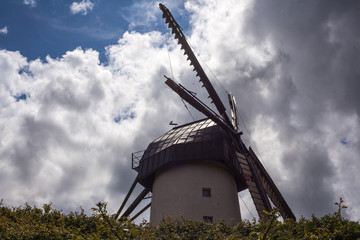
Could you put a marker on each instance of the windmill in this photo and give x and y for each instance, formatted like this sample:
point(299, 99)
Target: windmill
point(197, 169)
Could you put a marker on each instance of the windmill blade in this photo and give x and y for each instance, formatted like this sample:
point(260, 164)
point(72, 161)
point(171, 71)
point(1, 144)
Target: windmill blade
point(270, 188)
point(176, 30)
point(197, 104)
point(256, 189)
point(233, 111)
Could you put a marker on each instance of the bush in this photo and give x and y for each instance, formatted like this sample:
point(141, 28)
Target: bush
point(28, 222)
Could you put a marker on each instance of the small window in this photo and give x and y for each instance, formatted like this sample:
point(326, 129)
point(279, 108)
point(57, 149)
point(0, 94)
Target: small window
point(206, 192)
point(208, 219)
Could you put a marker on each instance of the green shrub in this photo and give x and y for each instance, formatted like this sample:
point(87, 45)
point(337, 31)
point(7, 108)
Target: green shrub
point(28, 222)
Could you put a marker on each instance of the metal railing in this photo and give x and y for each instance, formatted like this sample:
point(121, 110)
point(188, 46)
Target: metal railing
point(136, 157)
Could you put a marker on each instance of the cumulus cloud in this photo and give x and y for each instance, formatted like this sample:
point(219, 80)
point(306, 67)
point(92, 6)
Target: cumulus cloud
point(81, 7)
point(145, 14)
point(31, 3)
point(4, 30)
point(68, 125)
point(141, 14)
point(72, 135)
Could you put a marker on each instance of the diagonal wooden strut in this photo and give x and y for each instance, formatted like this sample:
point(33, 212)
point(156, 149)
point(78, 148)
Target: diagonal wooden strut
point(140, 212)
point(126, 199)
point(136, 202)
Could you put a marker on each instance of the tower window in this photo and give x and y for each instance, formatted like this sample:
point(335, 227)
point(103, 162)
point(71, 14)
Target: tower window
point(208, 219)
point(206, 192)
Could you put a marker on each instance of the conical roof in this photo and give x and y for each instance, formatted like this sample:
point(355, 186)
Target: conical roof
point(196, 141)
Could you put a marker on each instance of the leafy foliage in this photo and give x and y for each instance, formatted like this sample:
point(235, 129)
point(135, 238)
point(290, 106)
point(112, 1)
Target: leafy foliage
point(28, 222)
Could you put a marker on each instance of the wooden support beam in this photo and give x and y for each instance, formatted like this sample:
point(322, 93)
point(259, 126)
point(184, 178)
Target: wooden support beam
point(140, 212)
point(126, 199)
point(136, 202)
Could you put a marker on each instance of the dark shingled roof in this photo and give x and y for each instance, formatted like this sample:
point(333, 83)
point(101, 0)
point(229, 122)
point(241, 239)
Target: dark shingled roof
point(196, 141)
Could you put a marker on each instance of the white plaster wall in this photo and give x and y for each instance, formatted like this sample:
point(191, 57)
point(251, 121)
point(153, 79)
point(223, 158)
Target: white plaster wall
point(178, 190)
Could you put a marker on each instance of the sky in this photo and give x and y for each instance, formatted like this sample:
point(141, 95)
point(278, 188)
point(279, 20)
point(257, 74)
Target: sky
point(82, 87)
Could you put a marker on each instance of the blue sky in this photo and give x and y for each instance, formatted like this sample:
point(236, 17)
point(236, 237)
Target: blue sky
point(49, 27)
point(293, 67)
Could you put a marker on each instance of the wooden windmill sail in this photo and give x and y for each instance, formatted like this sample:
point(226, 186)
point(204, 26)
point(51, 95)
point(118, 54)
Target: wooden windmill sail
point(184, 144)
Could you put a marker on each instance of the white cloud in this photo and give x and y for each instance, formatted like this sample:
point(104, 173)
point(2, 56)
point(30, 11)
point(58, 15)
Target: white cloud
point(146, 13)
point(4, 30)
point(141, 14)
point(31, 3)
point(67, 122)
point(82, 7)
